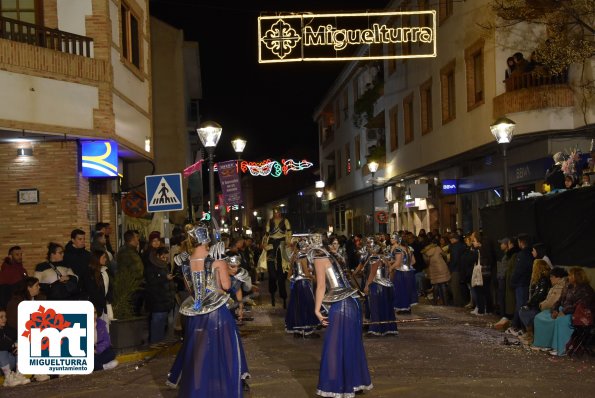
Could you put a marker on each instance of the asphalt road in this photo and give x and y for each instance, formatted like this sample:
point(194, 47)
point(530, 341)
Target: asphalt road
point(458, 355)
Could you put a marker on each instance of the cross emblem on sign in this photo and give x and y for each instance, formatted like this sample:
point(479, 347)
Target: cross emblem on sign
point(281, 38)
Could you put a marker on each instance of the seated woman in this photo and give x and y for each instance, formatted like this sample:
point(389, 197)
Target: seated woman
point(105, 356)
point(540, 284)
point(554, 330)
point(8, 352)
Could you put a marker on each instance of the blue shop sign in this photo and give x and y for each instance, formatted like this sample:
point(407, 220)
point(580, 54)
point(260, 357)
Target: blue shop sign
point(529, 171)
point(449, 187)
point(99, 159)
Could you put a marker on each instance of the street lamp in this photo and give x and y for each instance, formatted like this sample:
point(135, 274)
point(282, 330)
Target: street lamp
point(503, 129)
point(209, 134)
point(238, 146)
point(373, 167)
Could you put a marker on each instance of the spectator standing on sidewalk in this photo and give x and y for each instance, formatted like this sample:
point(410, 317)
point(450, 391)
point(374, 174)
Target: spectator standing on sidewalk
point(521, 277)
point(76, 257)
point(106, 229)
point(99, 286)
point(99, 243)
point(456, 250)
point(160, 291)
point(11, 273)
point(129, 259)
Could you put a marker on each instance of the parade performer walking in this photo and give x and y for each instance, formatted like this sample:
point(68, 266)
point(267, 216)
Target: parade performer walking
point(402, 275)
point(343, 366)
point(277, 233)
point(379, 290)
point(300, 316)
point(212, 355)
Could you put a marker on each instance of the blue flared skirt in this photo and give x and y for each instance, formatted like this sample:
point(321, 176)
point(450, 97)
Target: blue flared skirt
point(381, 310)
point(212, 357)
point(300, 316)
point(343, 366)
point(405, 290)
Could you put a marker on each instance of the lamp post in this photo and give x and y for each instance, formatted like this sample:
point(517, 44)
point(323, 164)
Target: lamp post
point(238, 146)
point(373, 167)
point(209, 134)
point(503, 129)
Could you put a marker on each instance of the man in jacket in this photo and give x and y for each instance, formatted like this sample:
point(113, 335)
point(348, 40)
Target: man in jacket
point(129, 259)
point(521, 278)
point(456, 249)
point(77, 258)
point(11, 273)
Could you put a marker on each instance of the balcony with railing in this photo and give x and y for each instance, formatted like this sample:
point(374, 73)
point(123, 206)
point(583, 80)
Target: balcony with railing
point(41, 36)
point(533, 91)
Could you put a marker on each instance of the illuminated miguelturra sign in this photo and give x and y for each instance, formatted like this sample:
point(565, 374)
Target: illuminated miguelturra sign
point(337, 37)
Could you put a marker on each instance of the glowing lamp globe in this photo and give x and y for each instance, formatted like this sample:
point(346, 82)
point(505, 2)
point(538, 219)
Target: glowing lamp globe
point(503, 129)
point(209, 134)
point(373, 166)
point(238, 145)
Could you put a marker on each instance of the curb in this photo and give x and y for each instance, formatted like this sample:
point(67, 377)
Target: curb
point(167, 348)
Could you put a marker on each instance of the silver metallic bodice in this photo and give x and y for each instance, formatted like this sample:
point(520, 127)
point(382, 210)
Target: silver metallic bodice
point(405, 260)
point(381, 276)
point(337, 285)
point(208, 295)
point(297, 272)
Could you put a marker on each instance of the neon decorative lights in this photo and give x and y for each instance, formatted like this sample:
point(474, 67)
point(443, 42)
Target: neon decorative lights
point(99, 159)
point(281, 38)
point(273, 167)
point(335, 37)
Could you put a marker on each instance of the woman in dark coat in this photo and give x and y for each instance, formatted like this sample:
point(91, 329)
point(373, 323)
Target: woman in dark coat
point(98, 284)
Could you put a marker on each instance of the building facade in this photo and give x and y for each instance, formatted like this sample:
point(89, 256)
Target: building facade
point(71, 72)
point(428, 126)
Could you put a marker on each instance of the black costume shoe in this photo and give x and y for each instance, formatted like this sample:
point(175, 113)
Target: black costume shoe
point(245, 386)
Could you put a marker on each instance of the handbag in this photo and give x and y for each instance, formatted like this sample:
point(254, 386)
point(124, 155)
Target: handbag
point(582, 315)
point(476, 277)
point(262, 262)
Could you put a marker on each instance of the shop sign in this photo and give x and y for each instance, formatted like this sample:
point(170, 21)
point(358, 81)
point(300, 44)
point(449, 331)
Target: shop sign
point(336, 37)
point(449, 187)
point(99, 159)
point(530, 171)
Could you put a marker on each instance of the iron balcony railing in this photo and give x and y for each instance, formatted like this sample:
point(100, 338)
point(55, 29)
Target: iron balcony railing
point(40, 36)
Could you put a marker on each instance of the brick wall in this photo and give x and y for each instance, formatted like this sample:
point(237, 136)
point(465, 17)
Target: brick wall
point(63, 198)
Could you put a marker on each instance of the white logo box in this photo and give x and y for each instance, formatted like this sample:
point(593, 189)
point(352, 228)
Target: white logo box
point(56, 337)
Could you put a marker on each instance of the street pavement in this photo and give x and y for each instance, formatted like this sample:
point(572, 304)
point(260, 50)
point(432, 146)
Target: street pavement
point(458, 355)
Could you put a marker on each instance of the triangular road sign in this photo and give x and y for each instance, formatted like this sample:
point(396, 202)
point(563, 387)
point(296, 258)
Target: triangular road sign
point(164, 192)
point(164, 195)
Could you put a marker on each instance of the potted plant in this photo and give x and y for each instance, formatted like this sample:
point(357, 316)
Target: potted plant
point(127, 330)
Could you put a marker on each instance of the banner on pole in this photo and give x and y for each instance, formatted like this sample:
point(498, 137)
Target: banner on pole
point(230, 182)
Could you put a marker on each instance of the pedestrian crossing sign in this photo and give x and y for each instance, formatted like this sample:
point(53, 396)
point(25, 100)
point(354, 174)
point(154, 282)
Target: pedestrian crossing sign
point(164, 192)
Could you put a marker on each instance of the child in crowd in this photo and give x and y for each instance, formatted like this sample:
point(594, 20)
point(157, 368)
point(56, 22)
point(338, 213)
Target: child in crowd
point(8, 352)
point(105, 356)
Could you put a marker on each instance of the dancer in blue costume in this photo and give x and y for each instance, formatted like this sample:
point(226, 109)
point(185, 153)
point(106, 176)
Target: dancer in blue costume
point(379, 290)
point(300, 316)
point(402, 275)
point(212, 356)
point(343, 366)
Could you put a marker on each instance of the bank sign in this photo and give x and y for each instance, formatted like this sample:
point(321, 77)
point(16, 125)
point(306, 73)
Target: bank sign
point(56, 337)
point(337, 37)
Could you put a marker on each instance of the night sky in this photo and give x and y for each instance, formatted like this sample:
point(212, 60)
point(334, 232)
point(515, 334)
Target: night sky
point(269, 105)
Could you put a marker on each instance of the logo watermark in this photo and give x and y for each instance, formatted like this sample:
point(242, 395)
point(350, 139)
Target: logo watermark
point(56, 337)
